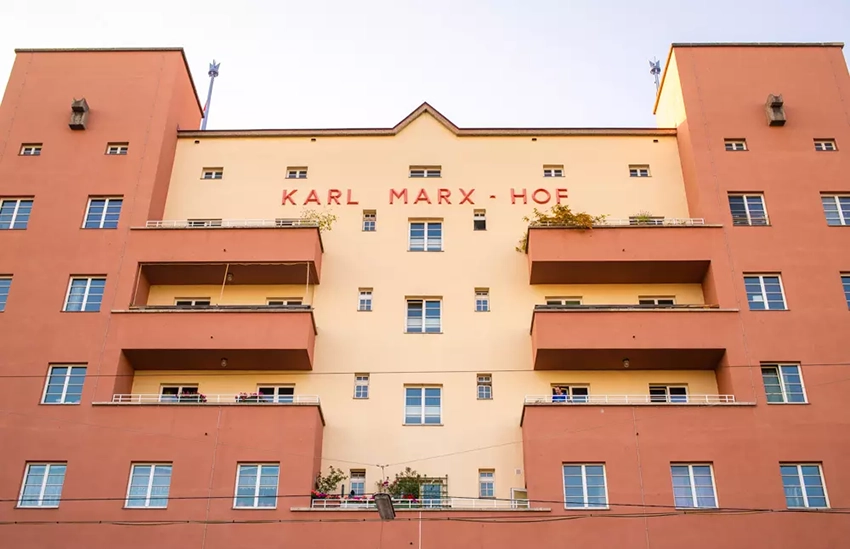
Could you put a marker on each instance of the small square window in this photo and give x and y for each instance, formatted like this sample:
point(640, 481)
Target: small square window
point(64, 385)
point(638, 170)
point(765, 292)
point(361, 386)
point(31, 149)
point(783, 383)
point(482, 300)
point(284, 302)
point(486, 483)
point(425, 236)
point(103, 213)
point(735, 144)
point(836, 208)
point(425, 171)
point(212, 173)
point(748, 209)
point(256, 485)
point(84, 294)
point(370, 220)
point(563, 301)
point(15, 213)
point(296, 173)
point(117, 148)
point(42, 486)
point(364, 302)
point(803, 485)
point(825, 145)
point(5, 286)
point(485, 387)
point(190, 302)
point(424, 316)
point(479, 220)
point(693, 485)
point(149, 486)
point(656, 301)
point(553, 171)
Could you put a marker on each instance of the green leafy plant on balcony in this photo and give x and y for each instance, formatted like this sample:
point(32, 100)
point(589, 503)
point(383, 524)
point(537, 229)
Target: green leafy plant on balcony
point(559, 215)
point(327, 484)
point(643, 217)
point(405, 485)
point(324, 220)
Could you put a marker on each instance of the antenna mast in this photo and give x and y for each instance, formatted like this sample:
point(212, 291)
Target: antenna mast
point(213, 72)
point(654, 70)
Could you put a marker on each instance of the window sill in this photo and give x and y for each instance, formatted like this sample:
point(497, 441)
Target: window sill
point(491, 398)
point(423, 333)
point(64, 311)
point(422, 425)
point(364, 310)
point(788, 403)
point(709, 509)
point(768, 310)
point(420, 251)
point(254, 508)
point(59, 403)
point(606, 508)
point(145, 508)
point(36, 507)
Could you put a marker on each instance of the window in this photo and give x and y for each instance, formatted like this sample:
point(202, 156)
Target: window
point(570, 393)
point(563, 301)
point(64, 385)
point(486, 483)
point(117, 148)
point(423, 405)
point(835, 207)
point(296, 173)
point(361, 385)
point(693, 485)
point(358, 482)
point(31, 149)
point(370, 219)
point(179, 393)
point(284, 301)
point(192, 302)
point(638, 170)
point(482, 300)
point(485, 387)
point(84, 294)
point(5, 285)
point(15, 213)
point(646, 300)
point(425, 171)
point(747, 209)
point(203, 223)
point(553, 171)
point(364, 302)
point(845, 282)
point(256, 485)
point(764, 292)
point(825, 145)
point(102, 213)
point(426, 236)
point(431, 493)
point(735, 144)
point(277, 393)
point(42, 485)
point(479, 220)
point(804, 486)
point(668, 393)
point(783, 383)
point(212, 173)
point(584, 486)
point(149, 485)
point(424, 316)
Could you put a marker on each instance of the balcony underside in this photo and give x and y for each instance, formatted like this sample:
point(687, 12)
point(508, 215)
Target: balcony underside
point(214, 273)
point(639, 359)
point(208, 359)
point(619, 272)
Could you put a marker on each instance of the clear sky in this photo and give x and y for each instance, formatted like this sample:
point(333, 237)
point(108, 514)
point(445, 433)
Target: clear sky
point(368, 63)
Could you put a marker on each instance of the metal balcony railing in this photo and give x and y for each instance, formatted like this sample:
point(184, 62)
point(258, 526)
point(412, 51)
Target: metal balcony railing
point(234, 399)
point(229, 223)
point(634, 222)
point(349, 503)
point(203, 308)
point(624, 307)
point(629, 400)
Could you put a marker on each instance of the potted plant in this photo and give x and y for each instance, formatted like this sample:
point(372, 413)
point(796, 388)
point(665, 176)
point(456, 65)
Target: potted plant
point(188, 397)
point(251, 398)
point(643, 217)
point(559, 215)
point(326, 484)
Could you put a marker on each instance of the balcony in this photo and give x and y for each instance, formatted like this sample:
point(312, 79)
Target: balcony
point(239, 399)
point(641, 337)
point(259, 337)
point(365, 503)
point(631, 400)
point(658, 251)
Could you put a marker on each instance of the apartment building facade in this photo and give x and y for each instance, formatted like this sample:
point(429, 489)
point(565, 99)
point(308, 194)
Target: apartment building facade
point(195, 324)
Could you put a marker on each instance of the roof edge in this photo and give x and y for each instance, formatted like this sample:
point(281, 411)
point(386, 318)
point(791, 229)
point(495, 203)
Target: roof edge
point(757, 45)
point(461, 132)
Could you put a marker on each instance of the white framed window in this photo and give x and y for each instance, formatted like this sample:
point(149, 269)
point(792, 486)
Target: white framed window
point(585, 486)
point(370, 221)
point(426, 171)
point(693, 485)
point(553, 171)
point(117, 148)
point(5, 286)
point(485, 387)
point(748, 209)
point(783, 383)
point(179, 393)
point(825, 145)
point(284, 301)
point(277, 393)
point(424, 316)
point(845, 284)
point(423, 405)
point(361, 386)
point(486, 483)
point(85, 294)
point(836, 207)
point(765, 292)
point(804, 486)
point(42, 486)
point(149, 486)
point(358, 482)
point(203, 223)
point(15, 213)
point(364, 300)
point(735, 144)
point(563, 301)
point(30, 149)
point(570, 393)
point(64, 385)
point(296, 173)
point(212, 173)
point(479, 220)
point(256, 485)
point(425, 236)
point(659, 300)
point(482, 300)
point(638, 170)
point(674, 394)
point(192, 302)
point(102, 213)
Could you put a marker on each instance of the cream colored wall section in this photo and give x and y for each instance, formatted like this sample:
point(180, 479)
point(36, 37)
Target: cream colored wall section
point(232, 295)
point(477, 434)
point(670, 110)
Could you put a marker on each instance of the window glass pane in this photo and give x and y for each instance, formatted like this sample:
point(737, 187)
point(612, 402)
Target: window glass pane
point(772, 386)
point(417, 236)
point(757, 213)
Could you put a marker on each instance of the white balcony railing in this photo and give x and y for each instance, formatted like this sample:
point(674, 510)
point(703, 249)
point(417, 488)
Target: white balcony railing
point(235, 399)
point(441, 503)
point(229, 223)
point(628, 400)
point(626, 222)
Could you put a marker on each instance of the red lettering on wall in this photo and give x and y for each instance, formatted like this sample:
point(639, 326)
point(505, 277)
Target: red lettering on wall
point(443, 194)
point(544, 191)
point(312, 197)
point(289, 195)
point(515, 195)
point(467, 196)
point(333, 196)
point(422, 196)
point(398, 194)
point(562, 193)
point(348, 197)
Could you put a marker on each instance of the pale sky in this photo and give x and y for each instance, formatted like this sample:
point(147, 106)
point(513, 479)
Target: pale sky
point(368, 63)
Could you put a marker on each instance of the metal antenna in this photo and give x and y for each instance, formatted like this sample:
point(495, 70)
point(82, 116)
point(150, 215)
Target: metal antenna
point(654, 70)
point(213, 72)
